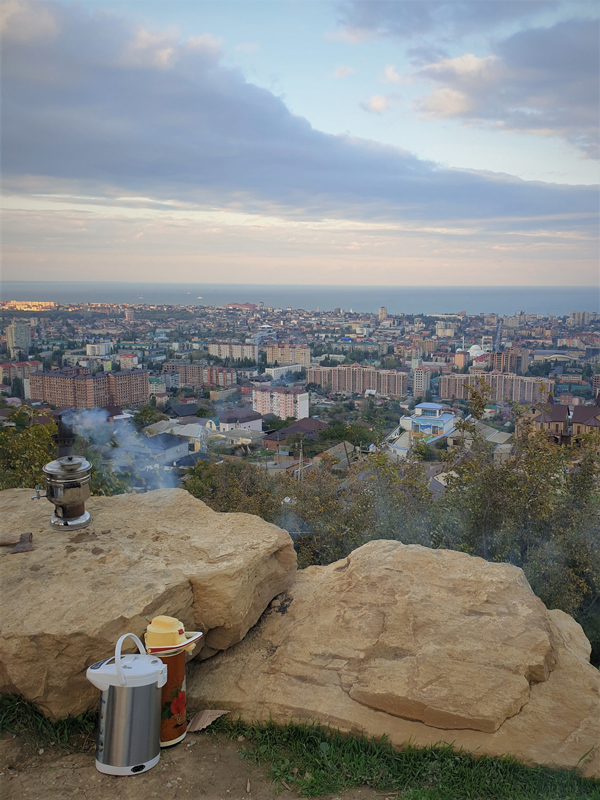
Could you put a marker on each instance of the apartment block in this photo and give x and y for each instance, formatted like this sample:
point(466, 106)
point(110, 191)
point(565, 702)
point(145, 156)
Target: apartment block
point(579, 318)
point(17, 369)
point(444, 330)
point(128, 360)
point(102, 349)
point(196, 375)
point(421, 381)
point(129, 387)
point(233, 350)
point(18, 337)
point(513, 360)
point(354, 378)
point(281, 401)
point(504, 387)
point(68, 388)
point(289, 354)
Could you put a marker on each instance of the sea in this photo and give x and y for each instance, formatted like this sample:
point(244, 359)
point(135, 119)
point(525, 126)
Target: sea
point(504, 300)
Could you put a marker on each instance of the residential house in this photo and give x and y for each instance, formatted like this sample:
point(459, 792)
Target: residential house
point(244, 418)
point(586, 419)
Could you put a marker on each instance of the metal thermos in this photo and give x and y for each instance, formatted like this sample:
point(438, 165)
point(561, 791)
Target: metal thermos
point(129, 726)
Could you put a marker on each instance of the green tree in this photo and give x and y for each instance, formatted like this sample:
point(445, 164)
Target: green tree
point(24, 449)
point(234, 486)
point(147, 415)
point(539, 511)
point(17, 387)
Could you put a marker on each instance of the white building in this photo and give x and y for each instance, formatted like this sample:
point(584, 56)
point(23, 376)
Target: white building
point(240, 419)
point(445, 330)
point(279, 372)
point(233, 350)
point(421, 381)
point(102, 349)
point(281, 401)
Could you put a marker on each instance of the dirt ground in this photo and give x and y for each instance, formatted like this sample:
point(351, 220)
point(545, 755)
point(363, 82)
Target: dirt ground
point(200, 767)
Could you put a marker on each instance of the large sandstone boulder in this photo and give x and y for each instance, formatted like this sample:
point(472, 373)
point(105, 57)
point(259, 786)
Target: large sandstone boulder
point(421, 645)
point(66, 602)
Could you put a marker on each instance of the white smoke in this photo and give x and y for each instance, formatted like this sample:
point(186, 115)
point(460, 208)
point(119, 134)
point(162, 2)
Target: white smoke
point(121, 448)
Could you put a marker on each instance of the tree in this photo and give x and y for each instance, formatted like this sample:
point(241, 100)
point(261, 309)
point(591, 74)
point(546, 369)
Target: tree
point(24, 449)
point(540, 511)
point(147, 415)
point(16, 387)
point(234, 486)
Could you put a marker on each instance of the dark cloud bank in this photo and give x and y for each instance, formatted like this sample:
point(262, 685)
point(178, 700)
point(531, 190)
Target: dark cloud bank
point(540, 80)
point(96, 105)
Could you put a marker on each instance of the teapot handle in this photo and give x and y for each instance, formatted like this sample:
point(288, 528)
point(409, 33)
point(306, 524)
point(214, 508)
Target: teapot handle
point(140, 647)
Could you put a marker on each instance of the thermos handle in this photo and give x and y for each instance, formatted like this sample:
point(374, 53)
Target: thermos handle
point(140, 647)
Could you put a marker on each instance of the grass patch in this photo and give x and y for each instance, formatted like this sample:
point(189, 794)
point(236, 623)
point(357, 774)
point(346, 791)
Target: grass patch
point(21, 718)
point(314, 760)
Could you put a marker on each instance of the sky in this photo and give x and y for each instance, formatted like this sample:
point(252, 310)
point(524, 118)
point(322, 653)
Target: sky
point(327, 142)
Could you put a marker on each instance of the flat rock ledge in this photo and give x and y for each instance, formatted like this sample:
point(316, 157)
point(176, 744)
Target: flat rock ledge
point(66, 602)
point(421, 645)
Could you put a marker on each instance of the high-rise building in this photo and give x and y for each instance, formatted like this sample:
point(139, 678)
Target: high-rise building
point(233, 350)
point(17, 369)
point(421, 381)
point(129, 315)
point(101, 349)
point(354, 378)
point(128, 360)
point(382, 313)
point(129, 387)
point(281, 401)
point(18, 337)
point(444, 330)
point(512, 360)
point(76, 387)
point(579, 318)
point(289, 354)
point(503, 387)
point(196, 375)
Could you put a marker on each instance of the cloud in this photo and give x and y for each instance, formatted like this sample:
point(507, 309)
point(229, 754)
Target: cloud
point(377, 104)
point(389, 75)
point(542, 81)
point(407, 19)
point(96, 106)
point(343, 71)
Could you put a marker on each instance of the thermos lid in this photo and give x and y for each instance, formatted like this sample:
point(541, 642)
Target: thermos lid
point(138, 669)
point(167, 635)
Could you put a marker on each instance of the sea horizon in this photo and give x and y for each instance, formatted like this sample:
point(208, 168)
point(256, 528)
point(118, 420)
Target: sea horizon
point(504, 300)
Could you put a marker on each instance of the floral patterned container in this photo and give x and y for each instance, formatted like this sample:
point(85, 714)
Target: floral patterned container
point(166, 638)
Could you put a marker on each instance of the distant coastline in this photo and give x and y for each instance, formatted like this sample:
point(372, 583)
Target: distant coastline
point(505, 300)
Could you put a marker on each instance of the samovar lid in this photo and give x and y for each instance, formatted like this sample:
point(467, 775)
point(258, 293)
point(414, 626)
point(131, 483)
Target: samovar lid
point(67, 465)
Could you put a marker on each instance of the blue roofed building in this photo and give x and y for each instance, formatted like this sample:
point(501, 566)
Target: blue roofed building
point(429, 423)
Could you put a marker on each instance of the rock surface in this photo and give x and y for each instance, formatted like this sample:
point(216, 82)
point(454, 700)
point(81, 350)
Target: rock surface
point(66, 602)
point(421, 645)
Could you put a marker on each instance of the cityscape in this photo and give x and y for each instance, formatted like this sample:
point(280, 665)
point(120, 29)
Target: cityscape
point(199, 368)
point(300, 399)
